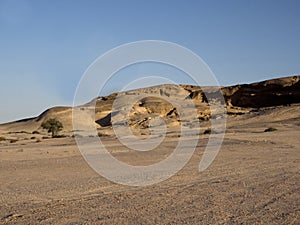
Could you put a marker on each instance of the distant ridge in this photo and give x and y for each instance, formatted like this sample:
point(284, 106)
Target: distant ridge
point(239, 98)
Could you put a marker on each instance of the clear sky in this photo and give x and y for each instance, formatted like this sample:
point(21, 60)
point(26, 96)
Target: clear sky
point(46, 45)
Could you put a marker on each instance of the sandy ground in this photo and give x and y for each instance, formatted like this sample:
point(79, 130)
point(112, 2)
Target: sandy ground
point(255, 179)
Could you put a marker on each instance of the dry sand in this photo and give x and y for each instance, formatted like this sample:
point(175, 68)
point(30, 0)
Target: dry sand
point(255, 179)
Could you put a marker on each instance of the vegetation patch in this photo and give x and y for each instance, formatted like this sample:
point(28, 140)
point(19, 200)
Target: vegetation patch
point(2, 139)
point(207, 131)
point(270, 129)
point(102, 134)
point(20, 132)
point(77, 135)
point(53, 126)
point(59, 136)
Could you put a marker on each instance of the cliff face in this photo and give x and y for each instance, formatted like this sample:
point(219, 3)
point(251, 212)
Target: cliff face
point(274, 92)
point(238, 98)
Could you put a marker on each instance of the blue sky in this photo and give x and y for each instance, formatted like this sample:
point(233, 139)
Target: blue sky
point(45, 46)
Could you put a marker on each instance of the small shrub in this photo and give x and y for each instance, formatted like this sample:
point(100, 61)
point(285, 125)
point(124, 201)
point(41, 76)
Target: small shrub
point(13, 140)
point(2, 139)
point(35, 132)
point(32, 138)
point(77, 135)
point(59, 136)
point(102, 134)
point(53, 126)
point(21, 132)
point(270, 129)
point(38, 140)
point(207, 131)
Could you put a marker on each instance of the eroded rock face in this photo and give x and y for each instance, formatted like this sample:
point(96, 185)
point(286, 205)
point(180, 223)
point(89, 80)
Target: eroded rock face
point(274, 92)
point(143, 108)
point(149, 108)
point(238, 99)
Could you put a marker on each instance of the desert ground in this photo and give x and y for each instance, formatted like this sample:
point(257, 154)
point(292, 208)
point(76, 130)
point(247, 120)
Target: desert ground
point(255, 179)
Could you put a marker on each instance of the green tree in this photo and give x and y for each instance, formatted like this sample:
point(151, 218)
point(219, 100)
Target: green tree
point(53, 126)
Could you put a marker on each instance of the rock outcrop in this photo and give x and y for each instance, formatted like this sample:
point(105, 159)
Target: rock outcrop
point(274, 92)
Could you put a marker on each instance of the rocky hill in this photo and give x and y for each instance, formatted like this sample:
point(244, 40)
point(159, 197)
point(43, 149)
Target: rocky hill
point(153, 102)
